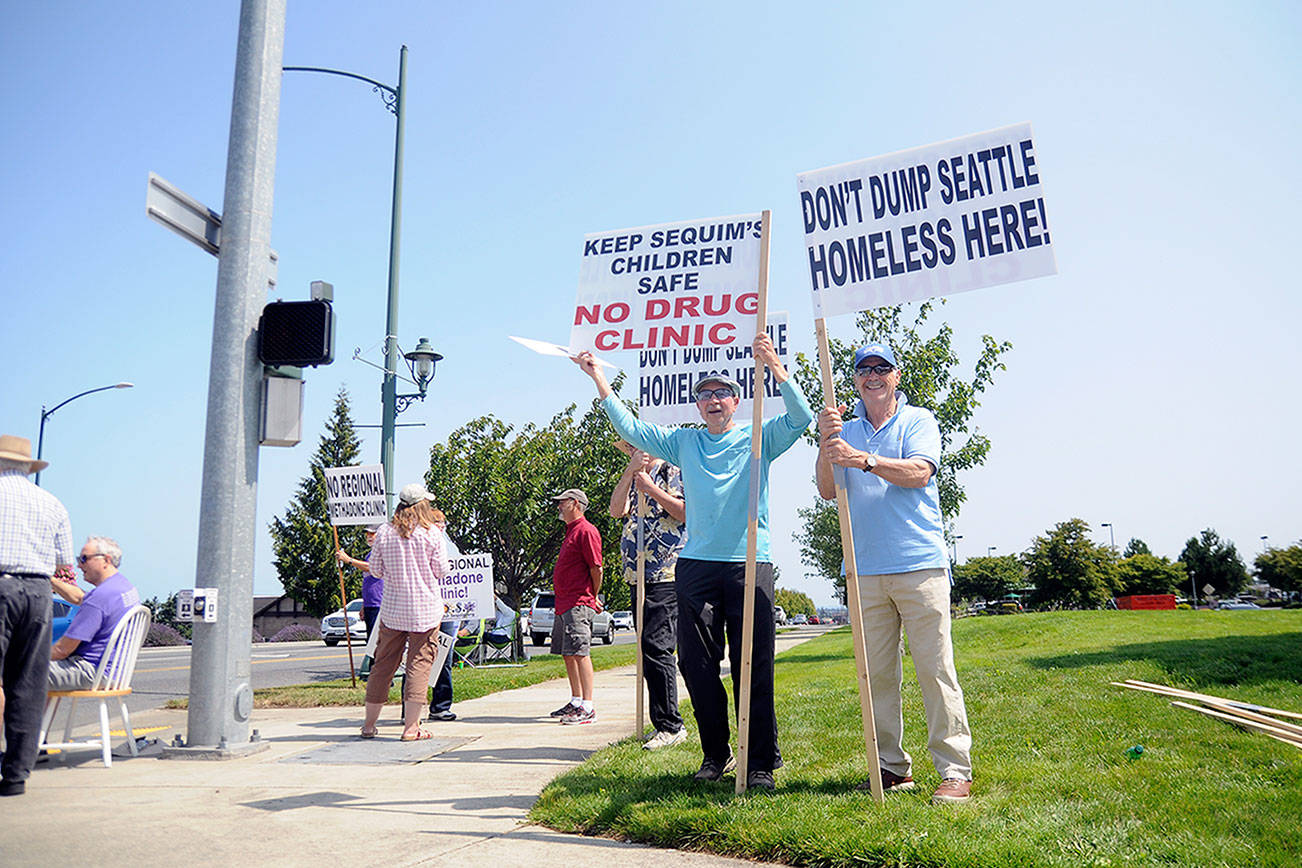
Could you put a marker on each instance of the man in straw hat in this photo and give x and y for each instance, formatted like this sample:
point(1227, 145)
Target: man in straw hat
point(35, 540)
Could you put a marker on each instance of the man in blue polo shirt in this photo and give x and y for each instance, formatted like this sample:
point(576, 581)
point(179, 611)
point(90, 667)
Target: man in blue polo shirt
point(76, 656)
point(710, 574)
point(888, 456)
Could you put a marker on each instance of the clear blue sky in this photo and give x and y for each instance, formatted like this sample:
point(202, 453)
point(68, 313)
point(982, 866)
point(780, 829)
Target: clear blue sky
point(1153, 382)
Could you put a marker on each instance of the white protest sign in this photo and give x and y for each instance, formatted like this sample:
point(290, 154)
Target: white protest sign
point(666, 377)
point(935, 220)
point(468, 589)
point(355, 495)
point(669, 286)
point(445, 643)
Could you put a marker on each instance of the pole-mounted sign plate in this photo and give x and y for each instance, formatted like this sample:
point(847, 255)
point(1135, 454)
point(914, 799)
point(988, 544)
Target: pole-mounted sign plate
point(191, 219)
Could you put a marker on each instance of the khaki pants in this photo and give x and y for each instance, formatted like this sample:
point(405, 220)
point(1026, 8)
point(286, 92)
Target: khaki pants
point(918, 601)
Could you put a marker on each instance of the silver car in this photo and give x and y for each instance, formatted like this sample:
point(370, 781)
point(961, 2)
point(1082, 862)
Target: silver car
point(543, 612)
point(332, 625)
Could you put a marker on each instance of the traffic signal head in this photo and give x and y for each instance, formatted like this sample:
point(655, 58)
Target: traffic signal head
point(297, 333)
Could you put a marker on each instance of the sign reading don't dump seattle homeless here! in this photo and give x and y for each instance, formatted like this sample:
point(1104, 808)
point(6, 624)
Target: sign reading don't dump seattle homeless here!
point(355, 495)
point(934, 220)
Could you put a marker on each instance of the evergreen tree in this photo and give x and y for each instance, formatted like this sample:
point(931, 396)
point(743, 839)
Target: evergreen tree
point(1209, 560)
point(302, 542)
point(1136, 546)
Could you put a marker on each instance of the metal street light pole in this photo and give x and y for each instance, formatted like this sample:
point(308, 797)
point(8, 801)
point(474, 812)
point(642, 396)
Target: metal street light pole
point(990, 550)
point(957, 537)
point(1112, 541)
point(393, 99)
point(45, 414)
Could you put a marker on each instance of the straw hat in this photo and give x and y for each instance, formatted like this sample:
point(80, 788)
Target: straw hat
point(20, 449)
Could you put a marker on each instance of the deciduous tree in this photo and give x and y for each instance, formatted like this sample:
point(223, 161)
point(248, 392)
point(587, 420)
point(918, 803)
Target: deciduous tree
point(1281, 568)
point(1068, 569)
point(495, 484)
point(1149, 574)
point(793, 602)
point(988, 578)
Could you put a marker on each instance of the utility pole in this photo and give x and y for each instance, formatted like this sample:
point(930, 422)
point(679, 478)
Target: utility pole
point(221, 696)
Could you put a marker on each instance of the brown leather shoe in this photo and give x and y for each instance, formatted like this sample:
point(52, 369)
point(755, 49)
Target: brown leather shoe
point(891, 783)
point(952, 790)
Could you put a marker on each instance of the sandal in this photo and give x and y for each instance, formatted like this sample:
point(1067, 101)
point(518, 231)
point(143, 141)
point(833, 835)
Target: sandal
point(420, 735)
point(371, 733)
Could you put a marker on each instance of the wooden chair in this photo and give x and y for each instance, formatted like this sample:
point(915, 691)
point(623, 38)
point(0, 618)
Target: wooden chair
point(112, 680)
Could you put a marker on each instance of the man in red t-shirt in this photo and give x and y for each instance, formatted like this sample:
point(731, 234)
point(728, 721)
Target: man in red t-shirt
point(576, 581)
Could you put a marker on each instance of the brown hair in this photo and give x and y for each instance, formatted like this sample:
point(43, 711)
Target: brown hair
point(406, 518)
point(436, 514)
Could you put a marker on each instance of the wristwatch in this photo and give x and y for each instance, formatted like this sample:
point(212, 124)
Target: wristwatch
point(869, 462)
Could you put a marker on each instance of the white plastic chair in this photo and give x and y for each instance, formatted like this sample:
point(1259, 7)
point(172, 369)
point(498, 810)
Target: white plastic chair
point(112, 680)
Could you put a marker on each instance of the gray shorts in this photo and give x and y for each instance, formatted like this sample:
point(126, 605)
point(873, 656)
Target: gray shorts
point(572, 632)
point(72, 673)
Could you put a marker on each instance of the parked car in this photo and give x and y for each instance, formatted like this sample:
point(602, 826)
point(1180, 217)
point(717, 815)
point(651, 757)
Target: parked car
point(1236, 604)
point(1007, 606)
point(64, 612)
point(543, 612)
point(332, 625)
point(799, 618)
point(780, 616)
point(621, 620)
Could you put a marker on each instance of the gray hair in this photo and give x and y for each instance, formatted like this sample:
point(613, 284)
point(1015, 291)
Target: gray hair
point(13, 464)
point(108, 547)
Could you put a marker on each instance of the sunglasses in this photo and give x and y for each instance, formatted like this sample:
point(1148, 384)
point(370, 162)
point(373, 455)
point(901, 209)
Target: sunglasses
point(880, 370)
point(81, 559)
point(706, 394)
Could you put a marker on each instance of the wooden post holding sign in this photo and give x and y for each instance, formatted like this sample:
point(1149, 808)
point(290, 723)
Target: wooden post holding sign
point(343, 604)
point(752, 519)
point(852, 584)
point(354, 495)
point(640, 608)
point(936, 220)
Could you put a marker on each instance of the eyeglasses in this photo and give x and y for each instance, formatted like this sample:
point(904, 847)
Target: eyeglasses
point(81, 559)
point(706, 394)
point(880, 370)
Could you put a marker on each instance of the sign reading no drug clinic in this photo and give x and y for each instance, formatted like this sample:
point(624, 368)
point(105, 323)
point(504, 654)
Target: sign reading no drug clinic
point(355, 495)
point(935, 220)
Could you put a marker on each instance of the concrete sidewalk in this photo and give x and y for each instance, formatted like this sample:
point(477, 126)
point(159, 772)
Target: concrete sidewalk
point(320, 795)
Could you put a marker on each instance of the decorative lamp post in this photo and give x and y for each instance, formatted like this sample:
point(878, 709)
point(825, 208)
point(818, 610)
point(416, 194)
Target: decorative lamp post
point(45, 414)
point(421, 362)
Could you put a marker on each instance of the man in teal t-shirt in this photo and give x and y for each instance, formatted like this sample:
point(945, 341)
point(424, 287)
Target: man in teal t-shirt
point(710, 574)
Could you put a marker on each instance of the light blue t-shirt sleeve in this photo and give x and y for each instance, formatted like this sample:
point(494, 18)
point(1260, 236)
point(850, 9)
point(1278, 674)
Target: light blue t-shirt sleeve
point(782, 431)
point(922, 440)
point(655, 439)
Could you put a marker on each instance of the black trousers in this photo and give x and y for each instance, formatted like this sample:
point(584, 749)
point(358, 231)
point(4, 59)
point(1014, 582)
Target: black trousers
point(710, 599)
point(25, 665)
point(659, 618)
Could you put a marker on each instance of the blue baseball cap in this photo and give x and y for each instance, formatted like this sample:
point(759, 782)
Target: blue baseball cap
point(880, 350)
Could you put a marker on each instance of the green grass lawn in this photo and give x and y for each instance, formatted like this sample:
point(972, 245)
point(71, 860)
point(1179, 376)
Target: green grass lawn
point(468, 683)
point(1053, 784)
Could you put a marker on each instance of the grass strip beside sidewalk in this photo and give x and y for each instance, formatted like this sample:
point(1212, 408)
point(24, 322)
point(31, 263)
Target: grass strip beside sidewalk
point(468, 683)
point(1053, 783)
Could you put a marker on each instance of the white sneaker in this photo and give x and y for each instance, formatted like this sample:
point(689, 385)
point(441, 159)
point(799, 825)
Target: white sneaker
point(665, 739)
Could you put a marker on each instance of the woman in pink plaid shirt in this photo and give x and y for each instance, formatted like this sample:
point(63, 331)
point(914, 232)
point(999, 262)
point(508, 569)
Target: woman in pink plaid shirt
point(410, 557)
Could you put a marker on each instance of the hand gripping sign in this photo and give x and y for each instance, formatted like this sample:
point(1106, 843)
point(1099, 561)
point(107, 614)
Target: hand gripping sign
point(935, 220)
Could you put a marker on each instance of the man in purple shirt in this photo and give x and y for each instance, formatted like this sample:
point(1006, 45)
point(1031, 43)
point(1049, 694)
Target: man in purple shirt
point(75, 657)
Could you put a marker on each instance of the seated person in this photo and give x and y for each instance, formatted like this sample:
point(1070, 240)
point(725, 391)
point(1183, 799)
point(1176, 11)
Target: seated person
point(76, 656)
